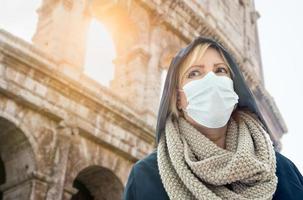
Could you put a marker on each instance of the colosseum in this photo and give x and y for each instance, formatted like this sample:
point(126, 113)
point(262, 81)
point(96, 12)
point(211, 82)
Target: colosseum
point(64, 135)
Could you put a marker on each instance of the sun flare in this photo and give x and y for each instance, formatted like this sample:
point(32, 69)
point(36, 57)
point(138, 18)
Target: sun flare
point(100, 52)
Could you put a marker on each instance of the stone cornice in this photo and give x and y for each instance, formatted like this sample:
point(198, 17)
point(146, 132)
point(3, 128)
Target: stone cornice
point(23, 52)
point(185, 27)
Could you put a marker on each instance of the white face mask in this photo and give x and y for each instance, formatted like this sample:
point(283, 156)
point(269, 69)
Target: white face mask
point(211, 100)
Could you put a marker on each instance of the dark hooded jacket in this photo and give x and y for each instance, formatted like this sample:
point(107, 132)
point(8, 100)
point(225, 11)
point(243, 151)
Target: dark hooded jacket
point(144, 181)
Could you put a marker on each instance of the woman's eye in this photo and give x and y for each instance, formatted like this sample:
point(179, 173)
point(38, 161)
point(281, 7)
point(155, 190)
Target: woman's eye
point(194, 73)
point(221, 69)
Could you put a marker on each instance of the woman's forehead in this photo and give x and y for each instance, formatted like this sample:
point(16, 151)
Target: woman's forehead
point(211, 55)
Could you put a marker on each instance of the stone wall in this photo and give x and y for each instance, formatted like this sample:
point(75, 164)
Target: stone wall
point(63, 135)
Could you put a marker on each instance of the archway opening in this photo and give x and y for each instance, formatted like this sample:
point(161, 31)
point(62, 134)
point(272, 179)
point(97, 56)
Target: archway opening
point(16, 163)
point(100, 53)
point(2, 176)
point(97, 183)
point(83, 193)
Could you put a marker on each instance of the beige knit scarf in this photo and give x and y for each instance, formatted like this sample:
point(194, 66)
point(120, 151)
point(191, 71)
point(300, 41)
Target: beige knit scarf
point(193, 167)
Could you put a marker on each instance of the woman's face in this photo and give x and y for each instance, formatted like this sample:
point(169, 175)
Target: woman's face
point(210, 61)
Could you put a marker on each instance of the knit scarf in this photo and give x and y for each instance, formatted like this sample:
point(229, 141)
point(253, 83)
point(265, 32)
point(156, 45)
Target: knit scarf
point(191, 166)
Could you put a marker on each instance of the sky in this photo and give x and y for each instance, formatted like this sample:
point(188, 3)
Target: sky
point(280, 33)
point(280, 30)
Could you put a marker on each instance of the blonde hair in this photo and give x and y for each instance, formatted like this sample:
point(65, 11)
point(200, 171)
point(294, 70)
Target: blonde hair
point(195, 55)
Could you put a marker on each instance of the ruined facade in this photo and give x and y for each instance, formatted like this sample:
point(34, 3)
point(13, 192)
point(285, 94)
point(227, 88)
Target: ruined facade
point(63, 135)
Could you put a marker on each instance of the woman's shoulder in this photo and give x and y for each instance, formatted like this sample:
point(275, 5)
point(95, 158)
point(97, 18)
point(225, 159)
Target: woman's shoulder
point(146, 171)
point(285, 166)
point(144, 180)
point(290, 180)
point(149, 162)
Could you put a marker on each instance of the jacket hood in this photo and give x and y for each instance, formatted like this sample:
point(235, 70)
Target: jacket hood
point(246, 97)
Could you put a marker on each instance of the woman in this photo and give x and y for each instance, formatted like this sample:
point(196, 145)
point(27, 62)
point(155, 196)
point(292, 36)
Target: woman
point(212, 141)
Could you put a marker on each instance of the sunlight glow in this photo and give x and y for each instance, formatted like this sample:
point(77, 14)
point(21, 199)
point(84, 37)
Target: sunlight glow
point(100, 52)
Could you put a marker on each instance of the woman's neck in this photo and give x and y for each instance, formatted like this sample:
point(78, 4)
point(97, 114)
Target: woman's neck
point(217, 135)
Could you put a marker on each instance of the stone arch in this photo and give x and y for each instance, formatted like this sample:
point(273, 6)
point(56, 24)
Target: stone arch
point(116, 17)
point(171, 46)
point(128, 24)
point(168, 53)
point(17, 160)
point(96, 182)
point(13, 119)
point(87, 154)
